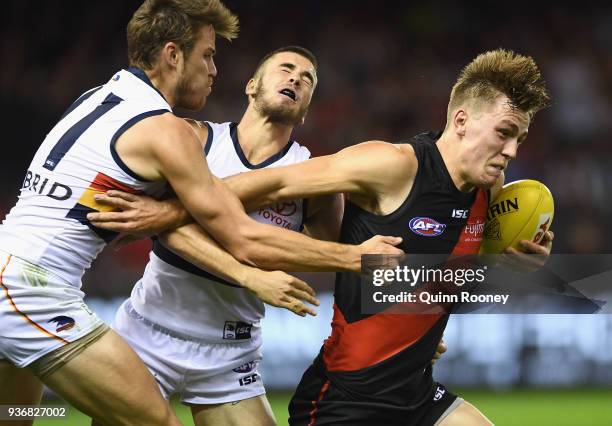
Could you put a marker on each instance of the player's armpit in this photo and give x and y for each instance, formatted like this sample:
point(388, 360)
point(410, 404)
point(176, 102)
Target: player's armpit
point(324, 217)
point(370, 168)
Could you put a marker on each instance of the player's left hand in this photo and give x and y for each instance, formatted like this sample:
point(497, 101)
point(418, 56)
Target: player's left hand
point(440, 349)
point(138, 215)
point(533, 256)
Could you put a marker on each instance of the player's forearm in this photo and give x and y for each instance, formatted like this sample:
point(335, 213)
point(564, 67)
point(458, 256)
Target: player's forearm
point(274, 248)
point(193, 244)
point(265, 246)
point(174, 214)
point(256, 189)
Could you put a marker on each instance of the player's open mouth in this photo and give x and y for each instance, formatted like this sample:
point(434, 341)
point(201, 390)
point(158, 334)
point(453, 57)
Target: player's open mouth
point(289, 93)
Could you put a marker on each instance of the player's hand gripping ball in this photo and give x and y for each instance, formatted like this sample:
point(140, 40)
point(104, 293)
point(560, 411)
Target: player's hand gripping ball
point(523, 210)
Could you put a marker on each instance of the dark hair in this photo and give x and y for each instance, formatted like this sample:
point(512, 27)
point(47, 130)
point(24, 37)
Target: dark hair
point(295, 49)
point(157, 22)
point(501, 72)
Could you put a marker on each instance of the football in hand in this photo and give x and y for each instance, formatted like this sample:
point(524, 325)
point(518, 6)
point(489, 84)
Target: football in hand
point(523, 210)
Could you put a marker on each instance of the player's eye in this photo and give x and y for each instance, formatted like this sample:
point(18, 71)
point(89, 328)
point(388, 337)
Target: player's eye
point(503, 133)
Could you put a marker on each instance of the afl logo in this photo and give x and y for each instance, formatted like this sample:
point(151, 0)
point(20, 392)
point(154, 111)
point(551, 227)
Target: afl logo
point(426, 226)
point(285, 209)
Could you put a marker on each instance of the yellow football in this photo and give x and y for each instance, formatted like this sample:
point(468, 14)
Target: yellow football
point(523, 210)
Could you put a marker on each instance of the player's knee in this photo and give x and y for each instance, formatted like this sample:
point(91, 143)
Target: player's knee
point(163, 416)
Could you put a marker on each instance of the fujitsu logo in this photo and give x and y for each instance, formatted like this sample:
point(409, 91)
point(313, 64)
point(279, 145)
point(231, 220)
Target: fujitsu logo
point(474, 229)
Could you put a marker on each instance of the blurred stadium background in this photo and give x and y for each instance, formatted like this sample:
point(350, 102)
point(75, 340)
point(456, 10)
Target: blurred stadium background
point(386, 69)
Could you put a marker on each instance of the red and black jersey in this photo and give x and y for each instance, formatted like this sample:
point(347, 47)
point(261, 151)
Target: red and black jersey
point(387, 357)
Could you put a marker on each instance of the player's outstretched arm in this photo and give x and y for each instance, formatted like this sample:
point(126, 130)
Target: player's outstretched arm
point(273, 287)
point(371, 169)
point(166, 147)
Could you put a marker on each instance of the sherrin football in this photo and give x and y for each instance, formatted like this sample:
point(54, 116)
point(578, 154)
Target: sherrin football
point(523, 210)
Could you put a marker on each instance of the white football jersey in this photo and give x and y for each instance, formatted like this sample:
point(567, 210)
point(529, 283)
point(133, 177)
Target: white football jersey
point(48, 225)
point(181, 297)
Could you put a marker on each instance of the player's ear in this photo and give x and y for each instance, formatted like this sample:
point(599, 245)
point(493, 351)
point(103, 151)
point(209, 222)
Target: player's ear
point(171, 54)
point(251, 88)
point(460, 117)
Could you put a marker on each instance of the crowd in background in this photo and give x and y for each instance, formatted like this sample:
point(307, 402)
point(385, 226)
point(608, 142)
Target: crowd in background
point(385, 72)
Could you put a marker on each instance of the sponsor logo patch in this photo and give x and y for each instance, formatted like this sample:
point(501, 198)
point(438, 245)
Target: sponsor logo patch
point(62, 323)
point(237, 330)
point(426, 226)
point(245, 368)
point(440, 391)
point(248, 380)
point(285, 209)
point(473, 230)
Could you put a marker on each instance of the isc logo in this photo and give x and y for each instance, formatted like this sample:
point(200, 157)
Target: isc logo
point(439, 393)
point(237, 330)
point(248, 380)
point(426, 226)
point(459, 214)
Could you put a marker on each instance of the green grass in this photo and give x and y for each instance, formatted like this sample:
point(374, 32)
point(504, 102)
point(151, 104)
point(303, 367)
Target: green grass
point(525, 407)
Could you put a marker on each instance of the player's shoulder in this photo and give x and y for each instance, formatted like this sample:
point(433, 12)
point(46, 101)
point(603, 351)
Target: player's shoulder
point(385, 153)
point(165, 127)
point(201, 129)
point(164, 132)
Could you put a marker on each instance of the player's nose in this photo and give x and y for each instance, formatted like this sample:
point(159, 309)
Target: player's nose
point(294, 79)
point(510, 149)
point(212, 68)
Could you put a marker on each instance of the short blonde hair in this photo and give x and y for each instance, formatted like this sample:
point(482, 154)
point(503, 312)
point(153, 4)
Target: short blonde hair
point(157, 22)
point(501, 72)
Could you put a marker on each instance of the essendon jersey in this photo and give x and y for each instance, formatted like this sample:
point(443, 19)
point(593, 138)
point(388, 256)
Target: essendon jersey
point(387, 357)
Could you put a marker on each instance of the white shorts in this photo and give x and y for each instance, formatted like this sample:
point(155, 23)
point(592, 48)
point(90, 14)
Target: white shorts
point(39, 312)
point(197, 371)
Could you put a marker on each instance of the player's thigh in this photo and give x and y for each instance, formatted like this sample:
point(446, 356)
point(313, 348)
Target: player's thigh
point(19, 387)
point(465, 414)
point(109, 382)
point(254, 411)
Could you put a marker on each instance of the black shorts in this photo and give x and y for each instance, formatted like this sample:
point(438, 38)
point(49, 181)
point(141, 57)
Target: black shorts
point(318, 401)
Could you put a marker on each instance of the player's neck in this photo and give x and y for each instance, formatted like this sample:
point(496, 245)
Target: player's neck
point(162, 85)
point(450, 155)
point(259, 138)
